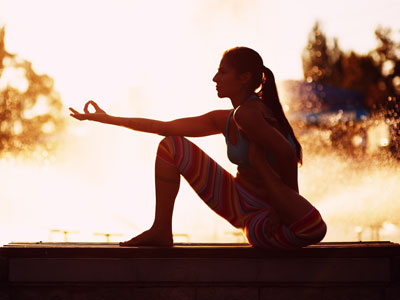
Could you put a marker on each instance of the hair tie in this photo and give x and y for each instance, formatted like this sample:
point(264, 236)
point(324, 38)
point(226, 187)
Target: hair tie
point(268, 73)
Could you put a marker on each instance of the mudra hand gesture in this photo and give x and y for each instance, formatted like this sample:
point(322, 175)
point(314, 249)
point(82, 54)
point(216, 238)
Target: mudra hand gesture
point(87, 115)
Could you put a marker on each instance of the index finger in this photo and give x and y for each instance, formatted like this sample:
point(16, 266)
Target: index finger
point(95, 105)
point(90, 102)
point(86, 107)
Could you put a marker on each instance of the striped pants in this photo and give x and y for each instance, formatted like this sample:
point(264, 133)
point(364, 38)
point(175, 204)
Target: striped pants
point(221, 192)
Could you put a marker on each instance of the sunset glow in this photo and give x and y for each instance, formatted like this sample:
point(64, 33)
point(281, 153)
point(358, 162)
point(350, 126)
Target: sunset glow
point(157, 59)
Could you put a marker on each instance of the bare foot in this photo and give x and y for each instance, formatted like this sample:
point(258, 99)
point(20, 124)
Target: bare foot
point(150, 238)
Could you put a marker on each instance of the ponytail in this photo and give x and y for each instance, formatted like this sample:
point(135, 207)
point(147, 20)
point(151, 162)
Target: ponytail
point(269, 95)
point(244, 59)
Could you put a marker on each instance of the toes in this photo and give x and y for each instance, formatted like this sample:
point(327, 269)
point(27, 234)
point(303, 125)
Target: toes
point(126, 243)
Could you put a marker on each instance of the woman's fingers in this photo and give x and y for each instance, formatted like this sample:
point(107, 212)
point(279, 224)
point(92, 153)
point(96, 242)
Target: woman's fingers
point(94, 104)
point(87, 115)
point(90, 102)
point(86, 107)
point(73, 110)
point(77, 115)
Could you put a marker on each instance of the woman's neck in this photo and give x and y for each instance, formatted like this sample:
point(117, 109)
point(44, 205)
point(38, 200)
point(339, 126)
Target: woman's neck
point(239, 99)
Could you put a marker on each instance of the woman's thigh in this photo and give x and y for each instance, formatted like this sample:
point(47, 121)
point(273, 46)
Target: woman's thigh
point(214, 185)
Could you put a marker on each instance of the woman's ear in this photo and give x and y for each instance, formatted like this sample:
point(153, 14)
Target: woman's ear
point(245, 77)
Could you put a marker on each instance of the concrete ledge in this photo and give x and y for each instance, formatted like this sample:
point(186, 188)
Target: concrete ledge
point(199, 271)
point(112, 250)
point(200, 293)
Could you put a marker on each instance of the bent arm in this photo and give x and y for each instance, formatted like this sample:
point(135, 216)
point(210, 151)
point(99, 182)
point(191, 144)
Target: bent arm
point(285, 199)
point(259, 131)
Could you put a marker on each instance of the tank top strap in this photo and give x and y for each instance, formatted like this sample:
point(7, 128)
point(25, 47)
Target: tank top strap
point(253, 96)
point(227, 123)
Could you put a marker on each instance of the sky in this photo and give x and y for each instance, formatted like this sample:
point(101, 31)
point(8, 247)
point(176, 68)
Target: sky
point(154, 59)
point(106, 49)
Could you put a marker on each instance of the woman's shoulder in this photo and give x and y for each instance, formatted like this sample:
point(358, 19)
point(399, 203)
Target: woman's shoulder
point(220, 117)
point(220, 114)
point(253, 111)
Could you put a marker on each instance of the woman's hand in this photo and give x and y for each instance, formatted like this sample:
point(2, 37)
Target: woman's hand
point(98, 115)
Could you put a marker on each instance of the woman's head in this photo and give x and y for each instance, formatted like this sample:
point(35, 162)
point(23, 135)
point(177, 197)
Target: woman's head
point(245, 60)
point(247, 63)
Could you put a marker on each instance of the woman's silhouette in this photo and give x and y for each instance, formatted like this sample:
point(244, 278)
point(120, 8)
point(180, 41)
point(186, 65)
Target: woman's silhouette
point(263, 198)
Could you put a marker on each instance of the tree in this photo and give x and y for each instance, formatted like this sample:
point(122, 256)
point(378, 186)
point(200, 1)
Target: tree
point(30, 108)
point(321, 62)
point(376, 74)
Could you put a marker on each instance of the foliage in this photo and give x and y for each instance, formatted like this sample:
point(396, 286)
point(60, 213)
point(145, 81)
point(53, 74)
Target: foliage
point(30, 108)
point(375, 74)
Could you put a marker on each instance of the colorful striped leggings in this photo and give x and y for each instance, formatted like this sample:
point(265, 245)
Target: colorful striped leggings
point(221, 192)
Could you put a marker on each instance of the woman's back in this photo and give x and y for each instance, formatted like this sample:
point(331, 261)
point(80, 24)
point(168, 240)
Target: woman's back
point(249, 175)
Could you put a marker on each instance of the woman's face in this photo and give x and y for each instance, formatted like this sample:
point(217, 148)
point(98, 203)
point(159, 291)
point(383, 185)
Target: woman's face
point(229, 82)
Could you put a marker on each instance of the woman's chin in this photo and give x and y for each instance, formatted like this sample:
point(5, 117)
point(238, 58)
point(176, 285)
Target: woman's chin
point(221, 95)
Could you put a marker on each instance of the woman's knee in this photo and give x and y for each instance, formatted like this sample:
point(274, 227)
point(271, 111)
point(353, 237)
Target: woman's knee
point(310, 227)
point(170, 147)
point(172, 141)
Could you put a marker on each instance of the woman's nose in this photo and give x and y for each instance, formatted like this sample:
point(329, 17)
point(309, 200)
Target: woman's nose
point(215, 78)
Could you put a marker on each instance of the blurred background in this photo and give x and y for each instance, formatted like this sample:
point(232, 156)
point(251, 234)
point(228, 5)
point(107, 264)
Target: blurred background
point(338, 69)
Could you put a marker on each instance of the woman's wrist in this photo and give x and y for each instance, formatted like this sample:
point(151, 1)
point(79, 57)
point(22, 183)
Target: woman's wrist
point(100, 117)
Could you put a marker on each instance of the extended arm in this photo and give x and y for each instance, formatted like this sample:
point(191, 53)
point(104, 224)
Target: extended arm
point(207, 124)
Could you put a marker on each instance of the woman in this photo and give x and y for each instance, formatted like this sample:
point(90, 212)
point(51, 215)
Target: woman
point(263, 198)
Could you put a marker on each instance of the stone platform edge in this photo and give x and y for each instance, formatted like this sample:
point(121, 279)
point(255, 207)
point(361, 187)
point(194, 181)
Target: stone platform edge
point(367, 270)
